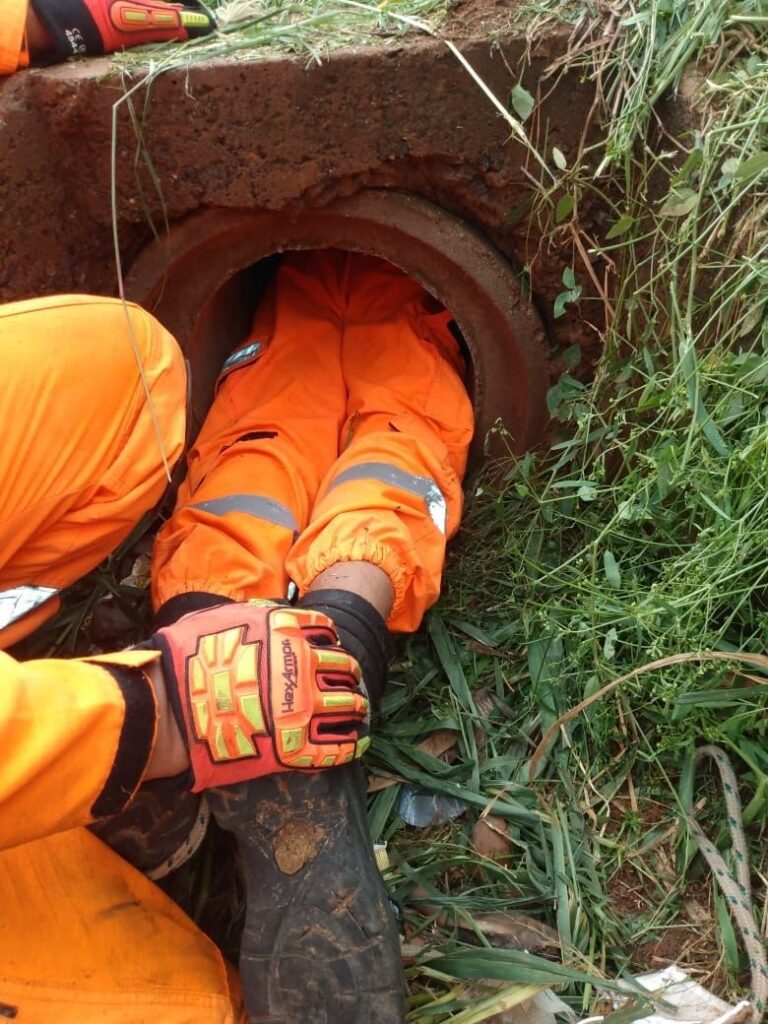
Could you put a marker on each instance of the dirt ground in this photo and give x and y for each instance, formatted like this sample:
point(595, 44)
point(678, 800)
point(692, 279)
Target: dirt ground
point(478, 17)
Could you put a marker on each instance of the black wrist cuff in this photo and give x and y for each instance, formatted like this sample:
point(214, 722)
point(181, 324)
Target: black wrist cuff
point(362, 632)
point(134, 746)
point(183, 604)
point(157, 642)
point(71, 27)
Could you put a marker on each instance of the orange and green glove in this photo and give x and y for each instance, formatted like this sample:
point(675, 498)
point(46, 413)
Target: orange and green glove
point(260, 688)
point(81, 28)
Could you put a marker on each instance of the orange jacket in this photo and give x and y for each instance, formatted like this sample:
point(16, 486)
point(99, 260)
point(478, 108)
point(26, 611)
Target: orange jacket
point(83, 936)
point(13, 49)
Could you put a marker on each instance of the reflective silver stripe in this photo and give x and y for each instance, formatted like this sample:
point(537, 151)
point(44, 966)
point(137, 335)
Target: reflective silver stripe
point(15, 603)
point(252, 505)
point(242, 354)
point(386, 473)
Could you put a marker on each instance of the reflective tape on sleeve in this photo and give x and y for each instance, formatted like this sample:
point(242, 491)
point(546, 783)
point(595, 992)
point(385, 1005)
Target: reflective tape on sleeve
point(18, 601)
point(424, 486)
point(255, 505)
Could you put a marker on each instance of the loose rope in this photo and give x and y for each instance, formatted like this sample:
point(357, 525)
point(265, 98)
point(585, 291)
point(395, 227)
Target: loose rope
point(736, 889)
point(187, 847)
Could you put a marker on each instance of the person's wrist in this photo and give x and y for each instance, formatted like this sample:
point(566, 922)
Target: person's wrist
point(169, 755)
point(364, 579)
point(357, 596)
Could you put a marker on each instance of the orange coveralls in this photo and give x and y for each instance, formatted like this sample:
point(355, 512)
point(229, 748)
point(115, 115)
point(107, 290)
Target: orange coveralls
point(13, 49)
point(339, 432)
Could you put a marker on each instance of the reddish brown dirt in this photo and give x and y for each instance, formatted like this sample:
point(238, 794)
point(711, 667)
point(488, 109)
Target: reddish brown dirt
point(479, 17)
point(687, 934)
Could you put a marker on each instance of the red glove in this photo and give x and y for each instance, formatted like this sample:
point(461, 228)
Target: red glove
point(260, 688)
point(88, 27)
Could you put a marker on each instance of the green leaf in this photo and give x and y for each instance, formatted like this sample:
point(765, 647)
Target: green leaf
point(559, 158)
point(571, 357)
point(587, 492)
point(564, 299)
point(511, 965)
point(545, 665)
point(449, 659)
point(753, 166)
point(564, 207)
point(517, 213)
point(521, 101)
point(730, 166)
point(612, 571)
point(622, 225)
point(679, 203)
point(569, 278)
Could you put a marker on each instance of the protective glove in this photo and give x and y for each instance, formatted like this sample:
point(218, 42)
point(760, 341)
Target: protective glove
point(89, 27)
point(362, 632)
point(260, 688)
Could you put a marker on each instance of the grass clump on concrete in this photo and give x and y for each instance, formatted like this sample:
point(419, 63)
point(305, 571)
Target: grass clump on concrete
point(314, 28)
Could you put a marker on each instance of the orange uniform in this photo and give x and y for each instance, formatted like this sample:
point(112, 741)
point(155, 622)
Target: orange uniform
point(339, 432)
point(13, 48)
point(83, 934)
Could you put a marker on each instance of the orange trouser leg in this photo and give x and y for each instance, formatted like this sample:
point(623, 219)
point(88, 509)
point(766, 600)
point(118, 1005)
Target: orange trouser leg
point(81, 458)
point(85, 937)
point(394, 495)
point(13, 52)
point(269, 437)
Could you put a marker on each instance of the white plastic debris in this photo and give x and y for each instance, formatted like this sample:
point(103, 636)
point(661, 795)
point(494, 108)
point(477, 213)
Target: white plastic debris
point(678, 999)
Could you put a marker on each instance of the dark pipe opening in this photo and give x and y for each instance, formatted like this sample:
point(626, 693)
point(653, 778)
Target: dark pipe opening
point(225, 320)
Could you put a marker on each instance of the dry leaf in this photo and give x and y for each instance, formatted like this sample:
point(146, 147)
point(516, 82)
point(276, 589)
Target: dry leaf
point(516, 931)
point(505, 931)
point(379, 782)
point(490, 837)
point(438, 743)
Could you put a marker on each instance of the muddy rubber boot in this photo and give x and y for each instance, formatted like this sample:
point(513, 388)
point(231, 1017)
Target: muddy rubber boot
point(320, 942)
point(159, 830)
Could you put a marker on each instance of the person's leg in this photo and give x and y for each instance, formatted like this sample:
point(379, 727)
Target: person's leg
point(86, 937)
point(318, 924)
point(319, 931)
point(394, 496)
point(92, 403)
point(270, 436)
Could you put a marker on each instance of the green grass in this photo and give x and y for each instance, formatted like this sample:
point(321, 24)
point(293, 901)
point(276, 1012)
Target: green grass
point(640, 533)
point(253, 29)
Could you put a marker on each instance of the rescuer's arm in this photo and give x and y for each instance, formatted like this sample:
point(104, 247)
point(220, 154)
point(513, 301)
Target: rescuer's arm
point(48, 31)
point(233, 692)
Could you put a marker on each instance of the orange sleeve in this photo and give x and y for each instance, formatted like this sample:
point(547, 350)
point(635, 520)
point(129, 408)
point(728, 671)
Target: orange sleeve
point(75, 739)
point(13, 50)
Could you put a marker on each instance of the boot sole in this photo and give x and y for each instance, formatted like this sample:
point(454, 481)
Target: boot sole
point(320, 942)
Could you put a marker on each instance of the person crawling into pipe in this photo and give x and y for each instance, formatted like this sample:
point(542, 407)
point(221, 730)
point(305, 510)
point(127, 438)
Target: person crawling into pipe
point(311, 523)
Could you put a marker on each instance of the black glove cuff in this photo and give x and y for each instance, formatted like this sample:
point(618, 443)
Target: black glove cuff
point(362, 631)
point(71, 27)
point(183, 604)
point(157, 642)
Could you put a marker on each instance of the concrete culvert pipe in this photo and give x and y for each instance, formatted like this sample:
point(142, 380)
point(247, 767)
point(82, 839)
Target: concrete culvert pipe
point(202, 281)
